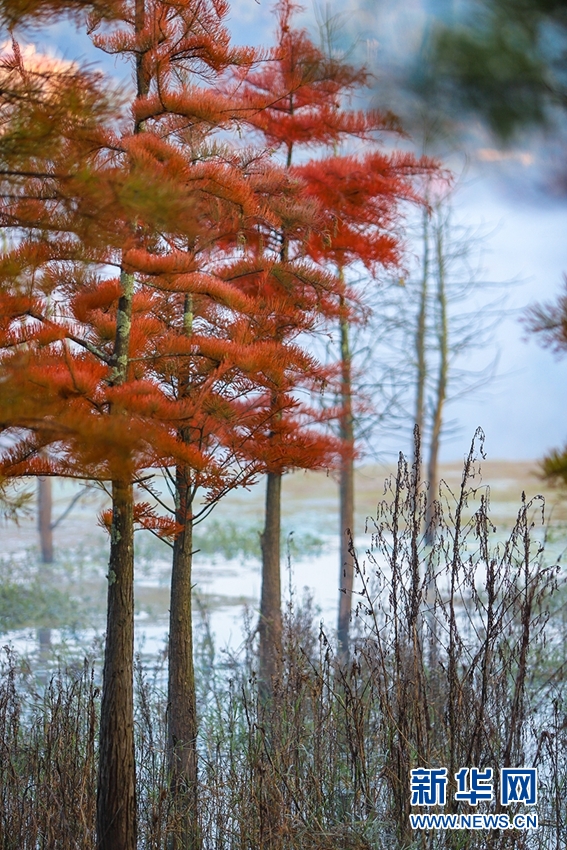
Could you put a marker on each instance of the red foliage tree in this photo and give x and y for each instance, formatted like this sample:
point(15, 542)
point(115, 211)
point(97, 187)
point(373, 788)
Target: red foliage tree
point(295, 299)
point(214, 356)
point(361, 197)
point(304, 92)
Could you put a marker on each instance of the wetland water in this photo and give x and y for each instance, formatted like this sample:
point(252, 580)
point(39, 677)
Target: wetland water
point(226, 598)
point(53, 613)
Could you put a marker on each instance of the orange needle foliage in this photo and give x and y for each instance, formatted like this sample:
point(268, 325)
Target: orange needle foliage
point(305, 95)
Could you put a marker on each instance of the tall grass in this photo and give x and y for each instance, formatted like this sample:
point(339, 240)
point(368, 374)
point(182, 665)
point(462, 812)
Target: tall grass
point(455, 663)
point(47, 760)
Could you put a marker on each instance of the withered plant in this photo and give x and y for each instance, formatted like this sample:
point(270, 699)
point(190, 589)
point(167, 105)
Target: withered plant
point(457, 661)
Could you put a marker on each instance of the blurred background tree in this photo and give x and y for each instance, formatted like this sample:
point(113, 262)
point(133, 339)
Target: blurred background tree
point(503, 60)
point(549, 322)
point(506, 62)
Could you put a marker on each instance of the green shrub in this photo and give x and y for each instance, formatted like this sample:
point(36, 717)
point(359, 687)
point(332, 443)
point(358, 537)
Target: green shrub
point(36, 604)
point(231, 541)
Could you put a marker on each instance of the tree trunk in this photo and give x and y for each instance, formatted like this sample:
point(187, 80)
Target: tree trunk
point(346, 495)
point(441, 388)
point(182, 702)
point(270, 626)
point(116, 794)
point(182, 707)
point(420, 335)
point(45, 528)
point(44, 525)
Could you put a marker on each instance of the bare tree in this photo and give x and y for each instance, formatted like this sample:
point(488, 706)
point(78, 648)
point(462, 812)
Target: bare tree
point(423, 331)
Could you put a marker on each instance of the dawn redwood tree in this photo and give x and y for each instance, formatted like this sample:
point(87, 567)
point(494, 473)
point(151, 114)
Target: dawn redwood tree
point(37, 207)
point(361, 196)
point(180, 39)
point(306, 95)
point(295, 298)
point(300, 86)
point(211, 356)
point(48, 398)
point(301, 89)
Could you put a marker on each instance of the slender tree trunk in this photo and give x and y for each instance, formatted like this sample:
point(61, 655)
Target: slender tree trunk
point(270, 627)
point(420, 336)
point(346, 494)
point(116, 821)
point(181, 699)
point(116, 792)
point(182, 707)
point(45, 528)
point(116, 795)
point(44, 521)
point(441, 388)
